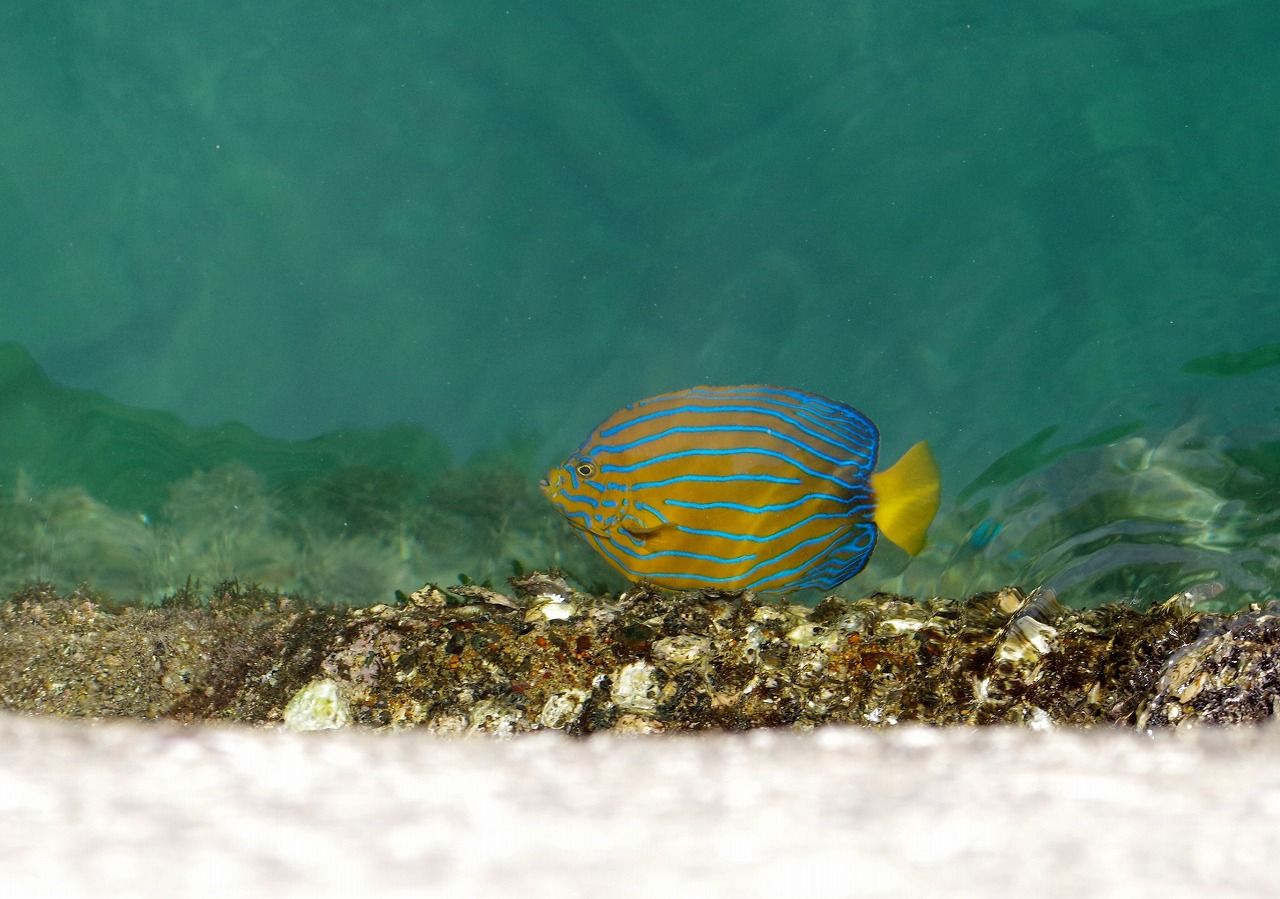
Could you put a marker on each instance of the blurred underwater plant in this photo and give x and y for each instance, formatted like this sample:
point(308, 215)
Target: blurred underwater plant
point(229, 524)
point(1138, 519)
point(142, 505)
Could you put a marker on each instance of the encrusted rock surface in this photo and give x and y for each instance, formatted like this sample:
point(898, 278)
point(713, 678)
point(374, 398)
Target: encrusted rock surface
point(152, 811)
point(544, 656)
point(1230, 675)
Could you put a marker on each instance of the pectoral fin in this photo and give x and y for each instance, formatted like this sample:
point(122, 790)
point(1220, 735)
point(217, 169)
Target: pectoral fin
point(643, 534)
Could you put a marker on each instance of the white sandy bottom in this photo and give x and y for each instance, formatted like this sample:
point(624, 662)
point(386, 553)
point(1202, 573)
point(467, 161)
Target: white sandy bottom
point(158, 810)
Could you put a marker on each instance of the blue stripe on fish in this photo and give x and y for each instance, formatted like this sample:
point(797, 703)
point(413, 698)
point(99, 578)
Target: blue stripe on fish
point(610, 449)
point(742, 451)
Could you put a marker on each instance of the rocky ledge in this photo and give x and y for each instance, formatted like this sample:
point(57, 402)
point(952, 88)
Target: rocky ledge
point(544, 656)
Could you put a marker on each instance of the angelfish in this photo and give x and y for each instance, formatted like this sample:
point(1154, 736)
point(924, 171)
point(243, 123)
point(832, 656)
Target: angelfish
point(742, 488)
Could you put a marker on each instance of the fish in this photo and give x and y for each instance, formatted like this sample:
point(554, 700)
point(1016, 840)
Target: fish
point(751, 487)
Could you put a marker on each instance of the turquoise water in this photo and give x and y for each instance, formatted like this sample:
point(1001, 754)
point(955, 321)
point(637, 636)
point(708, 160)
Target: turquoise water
point(1041, 236)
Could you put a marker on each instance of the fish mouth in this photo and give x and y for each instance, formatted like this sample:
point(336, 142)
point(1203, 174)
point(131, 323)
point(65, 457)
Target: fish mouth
point(553, 487)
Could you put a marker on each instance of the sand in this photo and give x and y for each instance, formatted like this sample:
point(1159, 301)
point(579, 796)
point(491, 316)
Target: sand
point(142, 810)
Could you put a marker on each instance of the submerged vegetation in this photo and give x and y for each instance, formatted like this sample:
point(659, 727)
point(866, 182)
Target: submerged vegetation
point(1132, 519)
point(351, 538)
point(140, 505)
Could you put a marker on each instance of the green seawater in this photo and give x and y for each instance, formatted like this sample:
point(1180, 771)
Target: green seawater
point(311, 293)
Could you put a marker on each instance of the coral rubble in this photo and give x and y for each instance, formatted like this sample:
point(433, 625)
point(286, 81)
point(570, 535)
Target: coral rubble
point(543, 655)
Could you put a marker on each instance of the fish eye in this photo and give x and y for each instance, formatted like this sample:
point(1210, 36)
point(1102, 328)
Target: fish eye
point(586, 468)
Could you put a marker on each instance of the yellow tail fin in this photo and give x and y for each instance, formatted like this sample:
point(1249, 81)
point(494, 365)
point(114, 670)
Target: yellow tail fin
point(907, 497)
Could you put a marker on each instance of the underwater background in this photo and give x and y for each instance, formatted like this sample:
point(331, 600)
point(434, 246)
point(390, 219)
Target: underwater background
point(311, 294)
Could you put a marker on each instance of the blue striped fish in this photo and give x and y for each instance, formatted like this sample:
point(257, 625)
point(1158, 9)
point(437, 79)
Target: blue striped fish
point(742, 488)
